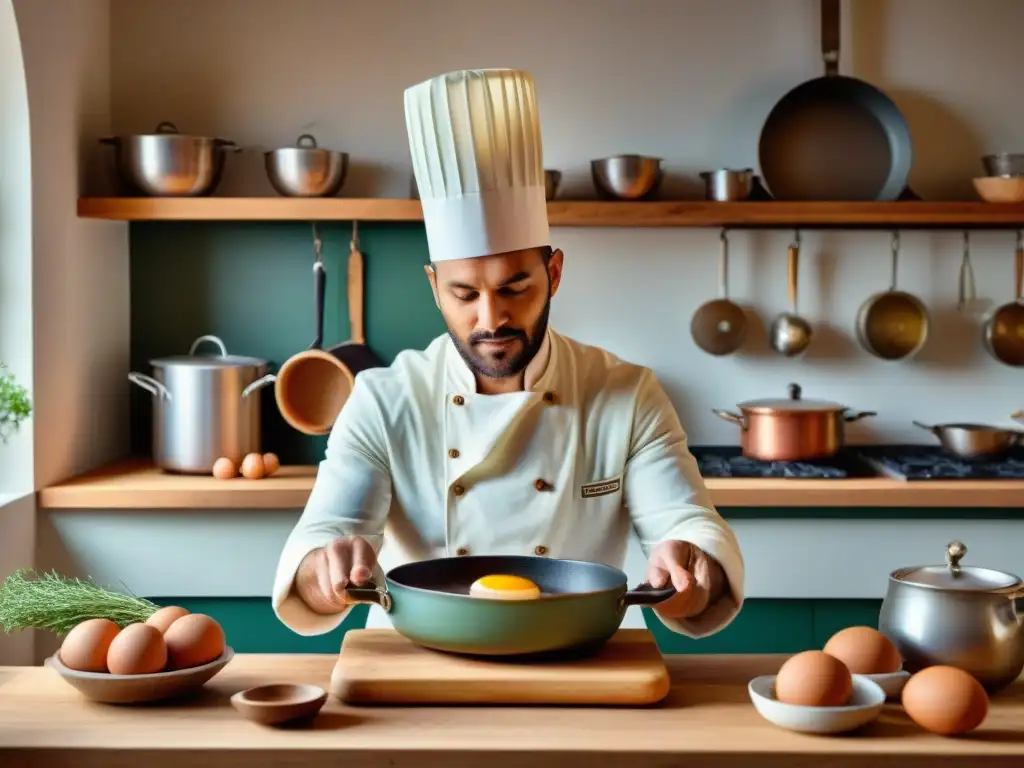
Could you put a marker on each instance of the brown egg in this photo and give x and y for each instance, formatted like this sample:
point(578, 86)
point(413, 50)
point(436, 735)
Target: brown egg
point(164, 617)
point(85, 647)
point(224, 468)
point(193, 640)
point(864, 651)
point(945, 700)
point(138, 649)
point(814, 679)
point(252, 466)
point(271, 463)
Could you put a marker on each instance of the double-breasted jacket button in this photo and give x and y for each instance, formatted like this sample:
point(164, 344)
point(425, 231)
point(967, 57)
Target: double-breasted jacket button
point(453, 453)
point(461, 551)
point(542, 485)
point(459, 400)
point(458, 490)
point(540, 549)
point(549, 397)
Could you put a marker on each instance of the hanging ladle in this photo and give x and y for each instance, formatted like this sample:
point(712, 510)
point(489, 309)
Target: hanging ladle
point(719, 326)
point(790, 333)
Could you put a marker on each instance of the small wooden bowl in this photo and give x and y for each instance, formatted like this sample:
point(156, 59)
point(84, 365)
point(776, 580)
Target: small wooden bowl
point(279, 702)
point(136, 689)
point(1000, 189)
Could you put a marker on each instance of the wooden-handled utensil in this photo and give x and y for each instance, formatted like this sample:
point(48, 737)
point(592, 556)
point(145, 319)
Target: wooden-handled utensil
point(790, 333)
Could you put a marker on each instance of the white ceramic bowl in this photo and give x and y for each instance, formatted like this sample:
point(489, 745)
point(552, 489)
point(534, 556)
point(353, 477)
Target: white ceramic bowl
point(865, 705)
point(891, 683)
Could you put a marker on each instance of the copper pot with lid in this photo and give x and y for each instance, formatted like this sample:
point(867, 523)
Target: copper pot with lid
point(791, 429)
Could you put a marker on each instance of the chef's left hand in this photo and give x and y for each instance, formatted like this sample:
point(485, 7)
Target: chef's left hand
point(698, 578)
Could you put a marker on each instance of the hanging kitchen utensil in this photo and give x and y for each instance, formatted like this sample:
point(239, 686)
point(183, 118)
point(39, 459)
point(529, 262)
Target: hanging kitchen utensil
point(893, 324)
point(312, 386)
point(835, 137)
point(974, 441)
point(719, 326)
point(1004, 329)
point(790, 333)
point(581, 604)
point(967, 290)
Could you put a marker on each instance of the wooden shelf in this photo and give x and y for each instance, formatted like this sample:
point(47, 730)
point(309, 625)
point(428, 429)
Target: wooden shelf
point(569, 213)
point(138, 485)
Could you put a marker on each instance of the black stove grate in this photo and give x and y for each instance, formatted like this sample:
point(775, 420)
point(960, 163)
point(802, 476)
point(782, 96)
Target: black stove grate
point(927, 462)
point(728, 461)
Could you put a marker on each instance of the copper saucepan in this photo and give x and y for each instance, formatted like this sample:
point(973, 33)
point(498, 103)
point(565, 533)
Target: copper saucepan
point(791, 429)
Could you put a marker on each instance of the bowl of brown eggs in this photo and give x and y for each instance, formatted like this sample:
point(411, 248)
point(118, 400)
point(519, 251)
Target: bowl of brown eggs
point(171, 654)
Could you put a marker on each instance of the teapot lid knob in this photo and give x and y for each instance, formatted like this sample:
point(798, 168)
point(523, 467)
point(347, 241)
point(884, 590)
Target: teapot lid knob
point(955, 552)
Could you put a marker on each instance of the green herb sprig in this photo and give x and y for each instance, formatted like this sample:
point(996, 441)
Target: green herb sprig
point(15, 404)
point(58, 603)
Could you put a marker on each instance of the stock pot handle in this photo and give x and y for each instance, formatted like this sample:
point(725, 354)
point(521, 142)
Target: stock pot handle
point(150, 384)
point(859, 415)
point(270, 378)
point(732, 418)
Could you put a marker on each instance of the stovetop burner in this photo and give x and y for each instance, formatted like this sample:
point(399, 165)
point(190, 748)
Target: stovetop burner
point(928, 462)
point(729, 461)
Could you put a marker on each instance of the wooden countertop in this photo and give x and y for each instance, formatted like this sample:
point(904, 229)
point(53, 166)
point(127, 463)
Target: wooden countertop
point(137, 485)
point(707, 720)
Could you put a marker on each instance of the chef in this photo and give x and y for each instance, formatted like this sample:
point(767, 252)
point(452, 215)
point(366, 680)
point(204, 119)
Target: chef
point(503, 436)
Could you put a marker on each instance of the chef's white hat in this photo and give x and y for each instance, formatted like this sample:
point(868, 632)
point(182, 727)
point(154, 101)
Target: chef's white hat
point(476, 153)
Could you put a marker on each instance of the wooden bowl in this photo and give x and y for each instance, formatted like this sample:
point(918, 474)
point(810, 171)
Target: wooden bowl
point(136, 689)
point(279, 702)
point(1000, 189)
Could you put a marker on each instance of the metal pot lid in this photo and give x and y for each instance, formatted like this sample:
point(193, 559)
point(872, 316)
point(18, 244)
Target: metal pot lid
point(954, 576)
point(223, 360)
point(793, 403)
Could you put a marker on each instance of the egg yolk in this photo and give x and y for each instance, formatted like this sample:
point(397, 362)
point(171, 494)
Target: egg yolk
point(504, 587)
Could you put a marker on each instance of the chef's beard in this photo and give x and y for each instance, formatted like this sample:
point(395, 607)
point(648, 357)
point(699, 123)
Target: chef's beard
point(499, 365)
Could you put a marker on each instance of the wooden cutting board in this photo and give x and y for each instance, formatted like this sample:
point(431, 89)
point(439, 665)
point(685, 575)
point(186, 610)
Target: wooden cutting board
point(380, 666)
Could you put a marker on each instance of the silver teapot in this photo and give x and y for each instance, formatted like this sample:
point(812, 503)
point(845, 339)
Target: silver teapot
point(961, 616)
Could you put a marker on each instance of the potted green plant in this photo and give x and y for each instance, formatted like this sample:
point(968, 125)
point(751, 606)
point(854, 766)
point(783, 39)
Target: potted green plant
point(15, 404)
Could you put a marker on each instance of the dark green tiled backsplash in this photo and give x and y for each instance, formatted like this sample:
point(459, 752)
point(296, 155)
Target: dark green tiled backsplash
point(251, 284)
point(763, 626)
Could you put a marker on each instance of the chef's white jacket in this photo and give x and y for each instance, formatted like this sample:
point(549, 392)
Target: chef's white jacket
point(589, 453)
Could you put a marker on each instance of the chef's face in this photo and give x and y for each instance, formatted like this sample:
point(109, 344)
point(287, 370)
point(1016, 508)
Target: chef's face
point(496, 307)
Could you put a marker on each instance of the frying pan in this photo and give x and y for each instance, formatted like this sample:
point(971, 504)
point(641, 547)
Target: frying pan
point(835, 137)
point(581, 605)
point(974, 441)
point(893, 324)
point(719, 326)
point(312, 386)
point(1004, 329)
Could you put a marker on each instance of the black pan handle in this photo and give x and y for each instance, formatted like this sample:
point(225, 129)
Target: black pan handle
point(370, 593)
point(830, 36)
point(320, 291)
point(645, 594)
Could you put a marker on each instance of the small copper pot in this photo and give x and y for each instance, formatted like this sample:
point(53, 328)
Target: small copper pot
point(791, 429)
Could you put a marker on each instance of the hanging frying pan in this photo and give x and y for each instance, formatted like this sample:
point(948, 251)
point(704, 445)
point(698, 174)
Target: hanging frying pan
point(719, 326)
point(835, 138)
point(313, 386)
point(1004, 329)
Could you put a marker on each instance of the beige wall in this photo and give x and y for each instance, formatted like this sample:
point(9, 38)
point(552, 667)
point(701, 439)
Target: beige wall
point(81, 267)
point(688, 80)
point(65, 300)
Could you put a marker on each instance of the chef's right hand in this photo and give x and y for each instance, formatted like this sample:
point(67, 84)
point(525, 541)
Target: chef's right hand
point(325, 573)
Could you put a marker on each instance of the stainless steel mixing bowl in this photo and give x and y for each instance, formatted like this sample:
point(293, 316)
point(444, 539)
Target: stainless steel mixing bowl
point(306, 170)
point(166, 163)
point(627, 177)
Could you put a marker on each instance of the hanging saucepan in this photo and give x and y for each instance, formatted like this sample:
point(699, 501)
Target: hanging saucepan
point(835, 137)
point(719, 326)
point(893, 324)
point(1004, 329)
point(580, 604)
point(974, 441)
